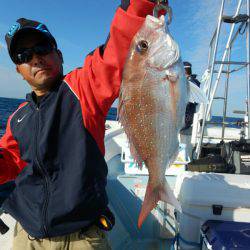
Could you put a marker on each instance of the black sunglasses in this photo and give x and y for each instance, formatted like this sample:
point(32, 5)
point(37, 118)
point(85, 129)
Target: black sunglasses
point(26, 55)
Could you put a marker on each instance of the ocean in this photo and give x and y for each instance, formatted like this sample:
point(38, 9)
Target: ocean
point(9, 105)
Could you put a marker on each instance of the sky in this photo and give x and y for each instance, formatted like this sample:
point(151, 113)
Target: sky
point(81, 26)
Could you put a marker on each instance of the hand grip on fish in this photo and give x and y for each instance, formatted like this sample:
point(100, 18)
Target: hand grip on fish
point(152, 104)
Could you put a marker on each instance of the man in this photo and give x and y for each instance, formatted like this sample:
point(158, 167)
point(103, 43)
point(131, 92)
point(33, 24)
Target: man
point(191, 107)
point(54, 142)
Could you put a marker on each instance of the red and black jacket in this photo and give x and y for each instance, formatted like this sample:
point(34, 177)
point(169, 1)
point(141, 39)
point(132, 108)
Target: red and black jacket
point(56, 151)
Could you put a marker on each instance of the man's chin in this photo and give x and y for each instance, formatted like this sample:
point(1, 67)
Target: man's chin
point(46, 83)
point(47, 80)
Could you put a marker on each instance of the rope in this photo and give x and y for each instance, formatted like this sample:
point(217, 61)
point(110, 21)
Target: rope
point(177, 240)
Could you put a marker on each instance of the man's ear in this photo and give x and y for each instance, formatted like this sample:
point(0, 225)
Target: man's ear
point(60, 54)
point(17, 70)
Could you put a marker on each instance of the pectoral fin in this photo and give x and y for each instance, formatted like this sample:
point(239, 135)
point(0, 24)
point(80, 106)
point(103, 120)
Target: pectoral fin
point(196, 94)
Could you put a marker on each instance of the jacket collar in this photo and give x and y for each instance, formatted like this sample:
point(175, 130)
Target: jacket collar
point(32, 98)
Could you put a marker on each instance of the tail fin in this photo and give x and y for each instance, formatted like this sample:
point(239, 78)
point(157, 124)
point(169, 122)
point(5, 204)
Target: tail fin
point(153, 194)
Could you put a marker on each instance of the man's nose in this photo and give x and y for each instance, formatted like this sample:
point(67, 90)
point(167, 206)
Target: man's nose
point(37, 59)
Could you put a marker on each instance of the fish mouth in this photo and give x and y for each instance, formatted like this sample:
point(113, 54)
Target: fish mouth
point(159, 21)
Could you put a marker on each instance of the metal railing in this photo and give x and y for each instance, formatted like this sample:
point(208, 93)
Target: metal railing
point(225, 61)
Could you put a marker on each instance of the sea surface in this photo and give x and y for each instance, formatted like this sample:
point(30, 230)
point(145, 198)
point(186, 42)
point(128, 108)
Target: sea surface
point(9, 105)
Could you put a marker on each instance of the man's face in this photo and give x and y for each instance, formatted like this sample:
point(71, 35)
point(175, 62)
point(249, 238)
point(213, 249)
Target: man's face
point(187, 73)
point(42, 71)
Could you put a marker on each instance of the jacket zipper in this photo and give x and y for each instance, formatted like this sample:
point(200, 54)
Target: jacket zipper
point(46, 179)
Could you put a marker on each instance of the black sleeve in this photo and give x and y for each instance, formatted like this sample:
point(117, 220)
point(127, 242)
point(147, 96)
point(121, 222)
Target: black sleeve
point(125, 4)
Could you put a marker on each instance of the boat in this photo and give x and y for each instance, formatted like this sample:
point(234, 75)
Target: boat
point(210, 199)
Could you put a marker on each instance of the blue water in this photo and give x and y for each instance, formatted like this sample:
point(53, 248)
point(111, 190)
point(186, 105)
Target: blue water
point(232, 120)
point(9, 105)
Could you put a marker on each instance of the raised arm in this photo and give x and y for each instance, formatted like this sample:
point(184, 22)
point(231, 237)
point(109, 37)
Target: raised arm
point(97, 83)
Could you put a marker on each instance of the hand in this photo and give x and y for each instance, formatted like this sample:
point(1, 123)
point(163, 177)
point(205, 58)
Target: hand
point(164, 2)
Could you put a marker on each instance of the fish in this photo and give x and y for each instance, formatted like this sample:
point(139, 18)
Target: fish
point(152, 102)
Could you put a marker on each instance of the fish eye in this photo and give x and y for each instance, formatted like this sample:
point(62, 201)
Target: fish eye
point(142, 46)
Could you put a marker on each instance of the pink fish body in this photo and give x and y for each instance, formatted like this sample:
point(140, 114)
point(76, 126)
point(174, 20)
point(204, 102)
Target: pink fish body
point(152, 103)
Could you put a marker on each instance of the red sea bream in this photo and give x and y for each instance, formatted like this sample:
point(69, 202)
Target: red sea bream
point(153, 98)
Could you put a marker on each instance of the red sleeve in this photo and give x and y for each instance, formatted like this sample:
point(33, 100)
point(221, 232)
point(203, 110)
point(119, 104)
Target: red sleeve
point(10, 162)
point(97, 83)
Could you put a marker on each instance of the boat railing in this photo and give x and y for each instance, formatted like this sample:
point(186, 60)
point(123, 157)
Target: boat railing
point(239, 25)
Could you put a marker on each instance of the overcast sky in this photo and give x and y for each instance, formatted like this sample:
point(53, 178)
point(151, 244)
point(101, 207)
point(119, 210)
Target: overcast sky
point(80, 26)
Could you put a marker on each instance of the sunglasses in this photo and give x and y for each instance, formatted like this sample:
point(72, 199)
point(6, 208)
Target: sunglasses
point(26, 55)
